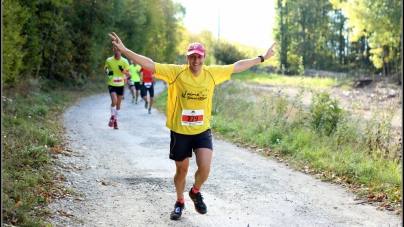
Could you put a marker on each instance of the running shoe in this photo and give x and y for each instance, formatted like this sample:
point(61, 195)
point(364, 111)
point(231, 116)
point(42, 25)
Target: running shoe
point(146, 104)
point(133, 100)
point(136, 101)
point(111, 122)
point(116, 124)
point(197, 198)
point(149, 111)
point(177, 212)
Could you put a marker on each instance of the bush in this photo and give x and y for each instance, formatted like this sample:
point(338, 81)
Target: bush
point(324, 113)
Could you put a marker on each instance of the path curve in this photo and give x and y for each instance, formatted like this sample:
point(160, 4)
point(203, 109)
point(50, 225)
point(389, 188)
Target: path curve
point(124, 178)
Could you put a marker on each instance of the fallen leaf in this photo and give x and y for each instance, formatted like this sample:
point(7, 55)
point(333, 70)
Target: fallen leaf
point(55, 149)
point(62, 213)
point(67, 154)
point(17, 204)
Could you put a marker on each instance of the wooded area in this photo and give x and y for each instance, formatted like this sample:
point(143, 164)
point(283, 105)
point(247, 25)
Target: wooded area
point(354, 36)
point(67, 40)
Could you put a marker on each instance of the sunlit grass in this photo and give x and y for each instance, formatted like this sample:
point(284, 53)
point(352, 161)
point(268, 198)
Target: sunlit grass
point(276, 79)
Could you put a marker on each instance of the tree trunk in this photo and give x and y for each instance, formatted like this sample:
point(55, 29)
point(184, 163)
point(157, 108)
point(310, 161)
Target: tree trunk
point(52, 66)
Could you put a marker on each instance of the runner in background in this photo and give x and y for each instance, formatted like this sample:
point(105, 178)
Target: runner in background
point(116, 68)
point(134, 81)
point(147, 78)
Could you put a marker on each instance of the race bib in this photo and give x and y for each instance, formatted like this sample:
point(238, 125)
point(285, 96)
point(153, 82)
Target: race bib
point(192, 117)
point(132, 82)
point(117, 80)
point(148, 84)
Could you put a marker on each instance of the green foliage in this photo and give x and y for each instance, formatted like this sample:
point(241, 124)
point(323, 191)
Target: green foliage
point(340, 35)
point(27, 175)
point(60, 39)
point(227, 53)
point(294, 62)
point(325, 112)
point(380, 137)
point(381, 26)
point(14, 17)
point(276, 79)
point(160, 101)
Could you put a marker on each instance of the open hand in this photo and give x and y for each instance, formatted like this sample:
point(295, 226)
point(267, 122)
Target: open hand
point(117, 43)
point(271, 52)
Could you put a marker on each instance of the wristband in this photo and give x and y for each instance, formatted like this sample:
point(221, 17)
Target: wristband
point(262, 58)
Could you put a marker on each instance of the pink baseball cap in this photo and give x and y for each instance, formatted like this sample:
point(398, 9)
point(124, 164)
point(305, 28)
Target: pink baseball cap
point(196, 48)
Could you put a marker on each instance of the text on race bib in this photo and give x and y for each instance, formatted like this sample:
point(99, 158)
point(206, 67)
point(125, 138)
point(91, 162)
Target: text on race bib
point(117, 80)
point(148, 84)
point(192, 117)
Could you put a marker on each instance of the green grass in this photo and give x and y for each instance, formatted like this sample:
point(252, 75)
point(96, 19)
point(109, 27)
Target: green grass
point(323, 140)
point(32, 134)
point(275, 79)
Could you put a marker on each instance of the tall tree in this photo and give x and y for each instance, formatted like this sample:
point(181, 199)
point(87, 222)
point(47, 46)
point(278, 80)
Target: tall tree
point(281, 32)
point(380, 22)
point(14, 18)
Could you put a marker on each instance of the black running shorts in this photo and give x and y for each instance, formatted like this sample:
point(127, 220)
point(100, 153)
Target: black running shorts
point(136, 84)
point(144, 88)
point(181, 146)
point(117, 90)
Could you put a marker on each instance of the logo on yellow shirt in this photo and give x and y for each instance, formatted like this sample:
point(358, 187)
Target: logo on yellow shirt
point(199, 96)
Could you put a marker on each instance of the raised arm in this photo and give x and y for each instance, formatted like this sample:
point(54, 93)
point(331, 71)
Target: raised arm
point(143, 61)
point(242, 65)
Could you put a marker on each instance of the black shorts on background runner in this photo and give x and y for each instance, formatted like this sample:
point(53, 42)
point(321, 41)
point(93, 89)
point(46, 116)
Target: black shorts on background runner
point(136, 84)
point(181, 146)
point(144, 89)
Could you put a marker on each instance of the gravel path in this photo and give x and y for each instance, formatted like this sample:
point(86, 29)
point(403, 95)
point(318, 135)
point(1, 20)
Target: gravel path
point(125, 178)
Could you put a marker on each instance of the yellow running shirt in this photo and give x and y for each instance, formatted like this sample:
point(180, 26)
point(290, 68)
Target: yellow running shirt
point(189, 102)
point(134, 72)
point(117, 80)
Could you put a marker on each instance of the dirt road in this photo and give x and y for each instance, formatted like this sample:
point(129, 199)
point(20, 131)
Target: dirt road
point(125, 178)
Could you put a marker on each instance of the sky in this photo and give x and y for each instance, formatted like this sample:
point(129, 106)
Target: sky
point(248, 22)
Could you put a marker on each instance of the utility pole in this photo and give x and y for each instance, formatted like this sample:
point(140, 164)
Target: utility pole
point(218, 26)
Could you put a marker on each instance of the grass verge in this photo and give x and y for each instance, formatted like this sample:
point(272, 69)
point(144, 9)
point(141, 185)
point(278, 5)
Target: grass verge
point(32, 131)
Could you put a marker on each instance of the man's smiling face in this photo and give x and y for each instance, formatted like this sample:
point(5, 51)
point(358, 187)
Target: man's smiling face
point(195, 61)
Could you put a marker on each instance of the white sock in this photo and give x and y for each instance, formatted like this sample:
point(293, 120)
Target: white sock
point(116, 114)
point(113, 109)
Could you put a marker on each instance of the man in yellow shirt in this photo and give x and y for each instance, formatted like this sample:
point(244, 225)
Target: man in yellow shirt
point(189, 105)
